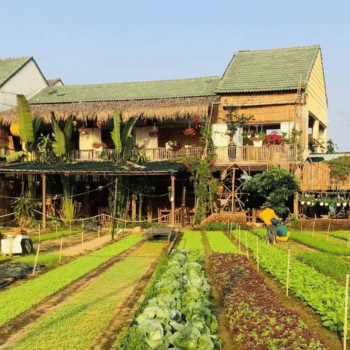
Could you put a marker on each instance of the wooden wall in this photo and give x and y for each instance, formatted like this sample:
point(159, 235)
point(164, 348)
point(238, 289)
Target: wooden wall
point(275, 107)
point(317, 177)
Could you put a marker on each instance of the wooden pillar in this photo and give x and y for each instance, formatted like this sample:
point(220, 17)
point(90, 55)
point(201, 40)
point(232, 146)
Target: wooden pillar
point(183, 205)
point(140, 207)
point(133, 207)
point(43, 198)
point(296, 205)
point(233, 189)
point(114, 208)
point(149, 210)
point(172, 200)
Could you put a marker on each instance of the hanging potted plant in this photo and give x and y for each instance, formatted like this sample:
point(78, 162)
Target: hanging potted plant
point(257, 140)
point(321, 202)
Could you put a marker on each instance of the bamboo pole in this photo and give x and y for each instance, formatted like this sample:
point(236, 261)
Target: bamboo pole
point(114, 207)
point(98, 232)
point(61, 245)
point(230, 229)
point(239, 237)
point(346, 310)
point(43, 199)
point(313, 229)
point(70, 227)
point(39, 233)
point(257, 253)
point(288, 262)
point(329, 226)
point(82, 241)
point(36, 259)
point(246, 244)
point(349, 240)
point(10, 243)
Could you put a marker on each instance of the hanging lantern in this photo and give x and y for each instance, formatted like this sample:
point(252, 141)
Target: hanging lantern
point(14, 129)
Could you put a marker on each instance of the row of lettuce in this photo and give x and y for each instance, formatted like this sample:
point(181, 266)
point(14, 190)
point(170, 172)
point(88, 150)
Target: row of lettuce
point(317, 290)
point(253, 314)
point(176, 311)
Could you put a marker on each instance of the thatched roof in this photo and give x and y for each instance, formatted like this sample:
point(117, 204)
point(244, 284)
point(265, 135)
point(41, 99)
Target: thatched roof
point(161, 109)
point(162, 99)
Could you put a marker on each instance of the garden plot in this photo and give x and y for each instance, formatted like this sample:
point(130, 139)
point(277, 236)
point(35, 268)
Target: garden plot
point(20, 298)
point(80, 321)
point(220, 243)
point(176, 312)
point(192, 240)
point(324, 295)
point(254, 315)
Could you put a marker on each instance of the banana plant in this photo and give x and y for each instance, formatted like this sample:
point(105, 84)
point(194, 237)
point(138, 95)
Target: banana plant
point(28, 129)
point(62, 138)
point(123, 141)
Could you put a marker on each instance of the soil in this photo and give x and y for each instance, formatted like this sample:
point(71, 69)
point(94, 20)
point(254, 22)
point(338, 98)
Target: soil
point(309, 317)
point(16, 328)
point(226, 336)
point(125, 313)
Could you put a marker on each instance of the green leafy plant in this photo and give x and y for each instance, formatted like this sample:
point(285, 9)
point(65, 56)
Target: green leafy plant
point(235, 121)
point(62, 138)
point(278, 186)
point(68, 210)
point(123, 141)
point(219, 243)
point(340, 168)
point(25, 208)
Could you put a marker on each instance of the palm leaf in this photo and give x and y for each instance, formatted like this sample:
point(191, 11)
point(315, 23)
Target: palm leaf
point(68, 129)
point(14, 157)
point(59, 145)
point(115, 134)
point(127, 148)
point(25, 120)
point(127, 129)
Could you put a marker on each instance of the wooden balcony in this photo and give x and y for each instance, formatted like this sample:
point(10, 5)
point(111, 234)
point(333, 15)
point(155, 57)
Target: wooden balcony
point(225, 155)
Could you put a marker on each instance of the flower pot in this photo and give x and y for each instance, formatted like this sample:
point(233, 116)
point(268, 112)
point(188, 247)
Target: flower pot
point(326, 204)
point(220, 189)
point(321, 204)
point(257, 143)
point(308, 203)
point(302, 202)
point(338, 204)
point(345, 204)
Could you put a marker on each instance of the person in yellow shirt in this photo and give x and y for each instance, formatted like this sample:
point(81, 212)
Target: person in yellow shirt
point(267, 215)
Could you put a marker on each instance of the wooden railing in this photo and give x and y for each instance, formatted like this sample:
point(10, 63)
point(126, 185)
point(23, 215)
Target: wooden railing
point(225, 155)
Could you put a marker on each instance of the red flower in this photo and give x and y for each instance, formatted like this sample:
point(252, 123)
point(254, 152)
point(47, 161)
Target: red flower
point(189, 132)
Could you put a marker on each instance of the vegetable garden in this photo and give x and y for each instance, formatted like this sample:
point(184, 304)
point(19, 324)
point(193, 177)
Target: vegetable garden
point(177, 310)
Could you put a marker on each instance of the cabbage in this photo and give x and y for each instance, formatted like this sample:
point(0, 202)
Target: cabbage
point(152, 332)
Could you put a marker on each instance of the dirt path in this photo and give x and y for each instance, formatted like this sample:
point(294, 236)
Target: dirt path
point(125, 312)
point(312, 320)
point(53, 245)
point(225, 335)
point(18, 327)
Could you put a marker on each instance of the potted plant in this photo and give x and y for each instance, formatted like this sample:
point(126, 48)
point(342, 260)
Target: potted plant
point(274, 139)
point(257, 141)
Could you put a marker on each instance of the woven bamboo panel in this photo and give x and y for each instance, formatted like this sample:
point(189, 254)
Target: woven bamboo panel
point(317, 177)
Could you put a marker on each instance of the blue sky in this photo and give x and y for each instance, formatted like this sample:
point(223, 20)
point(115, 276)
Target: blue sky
point(86, 42)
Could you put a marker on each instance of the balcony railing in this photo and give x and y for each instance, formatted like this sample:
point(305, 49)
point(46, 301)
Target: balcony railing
point(225, 155)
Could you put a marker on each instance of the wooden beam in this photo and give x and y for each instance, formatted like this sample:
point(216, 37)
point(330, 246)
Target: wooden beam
point(114, 208)
point(43, 198)
point(233, 189)
point(183, 206)
point(172, 200)
point(149, 210)
point(133, 207)
point(296, 205)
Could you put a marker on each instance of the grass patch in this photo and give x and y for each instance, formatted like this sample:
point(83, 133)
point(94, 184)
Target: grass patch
point(78, 322)
point(44, 258)
point(325, 263)
point(319, 244)
point(220, 243)
point(16, 300)
point(192, 240)
point(341, 235)
point(54, 235)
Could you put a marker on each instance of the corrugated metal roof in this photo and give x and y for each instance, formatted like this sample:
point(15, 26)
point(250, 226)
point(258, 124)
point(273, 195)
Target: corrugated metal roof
point(268, 70)
point(327, 156)
point(10, 66)
point(191, 87)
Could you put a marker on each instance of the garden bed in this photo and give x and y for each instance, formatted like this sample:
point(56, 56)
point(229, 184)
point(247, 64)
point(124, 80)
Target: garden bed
point(89, 313)
point(254, 315)
point(20, 298)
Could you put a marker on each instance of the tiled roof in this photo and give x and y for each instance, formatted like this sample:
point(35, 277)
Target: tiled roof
point(268, 70)
point(146, 90)
point(10, 66)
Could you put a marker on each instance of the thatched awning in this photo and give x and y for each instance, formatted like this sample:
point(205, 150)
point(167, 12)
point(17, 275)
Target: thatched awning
point(161, 109)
